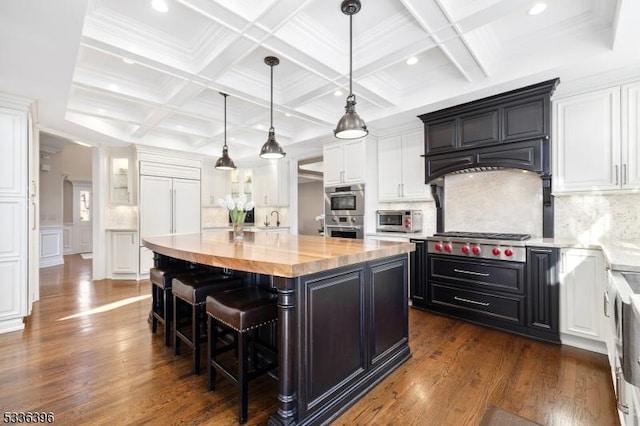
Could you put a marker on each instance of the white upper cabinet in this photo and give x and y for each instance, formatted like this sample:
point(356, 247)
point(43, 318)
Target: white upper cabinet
point(216, 184)
point(121, 177)
point(344, 162)
point(272, 183)
point(241, 182)
point(596, 138)
point(631, 136)
point(401, 168)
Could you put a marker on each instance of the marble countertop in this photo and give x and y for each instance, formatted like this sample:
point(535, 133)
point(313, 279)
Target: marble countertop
point(272, 253)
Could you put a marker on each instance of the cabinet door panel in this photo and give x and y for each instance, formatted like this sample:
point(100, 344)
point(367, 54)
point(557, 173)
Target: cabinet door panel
point(155, 205)
point(186, 206)
point(588, 141)
point(413, 184)
point(524, 120)
point(543, 295)
point(333, 164)
point(631, 136)
point(13, 173)
point(389, 168)
point(479, 129)
point(354, 160)
point(123, 255)
point(440, 136)
point(582, 282)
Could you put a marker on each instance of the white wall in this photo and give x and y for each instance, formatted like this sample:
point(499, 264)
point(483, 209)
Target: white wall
point(51, 194)
point(310, 205)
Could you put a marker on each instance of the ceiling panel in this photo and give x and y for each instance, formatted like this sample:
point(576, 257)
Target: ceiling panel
point(181, 60)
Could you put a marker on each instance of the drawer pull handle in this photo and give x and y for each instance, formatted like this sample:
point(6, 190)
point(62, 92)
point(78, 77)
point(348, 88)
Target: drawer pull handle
point(462, 271)
point(475, 302)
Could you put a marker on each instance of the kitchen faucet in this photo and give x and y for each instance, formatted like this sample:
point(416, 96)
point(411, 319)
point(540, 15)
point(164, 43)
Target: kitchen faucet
point(277, 217)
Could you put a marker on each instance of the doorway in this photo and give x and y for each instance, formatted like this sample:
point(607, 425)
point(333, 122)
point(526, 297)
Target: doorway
point(311, 197)
point(82, 223)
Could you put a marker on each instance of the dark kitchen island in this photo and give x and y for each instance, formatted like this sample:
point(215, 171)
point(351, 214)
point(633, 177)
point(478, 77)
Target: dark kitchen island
point(342, 311)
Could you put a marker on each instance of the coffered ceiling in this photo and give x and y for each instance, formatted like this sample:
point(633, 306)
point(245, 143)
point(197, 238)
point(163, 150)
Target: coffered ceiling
point(136, 75)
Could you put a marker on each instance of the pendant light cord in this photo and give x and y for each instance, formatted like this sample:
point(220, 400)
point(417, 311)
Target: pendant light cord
point(271, 128)
point(225, 119)
point(350, 54)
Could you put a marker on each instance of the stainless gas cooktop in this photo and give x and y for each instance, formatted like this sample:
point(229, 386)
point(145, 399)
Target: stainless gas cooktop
point(484, 245)
point(484, 235)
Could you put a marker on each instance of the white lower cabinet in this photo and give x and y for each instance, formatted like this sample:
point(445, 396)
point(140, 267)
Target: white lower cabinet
point(124, 254)
point(582, 286)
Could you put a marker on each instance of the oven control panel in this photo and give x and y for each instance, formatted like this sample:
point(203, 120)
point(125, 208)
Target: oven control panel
point(498, 250)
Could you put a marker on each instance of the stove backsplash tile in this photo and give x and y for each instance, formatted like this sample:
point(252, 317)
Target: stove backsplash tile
point(595, 217)
point(494, 201)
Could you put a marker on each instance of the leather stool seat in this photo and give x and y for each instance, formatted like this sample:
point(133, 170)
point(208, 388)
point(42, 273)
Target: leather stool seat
point(161, 302)
point(191, 291)
point(243, 310)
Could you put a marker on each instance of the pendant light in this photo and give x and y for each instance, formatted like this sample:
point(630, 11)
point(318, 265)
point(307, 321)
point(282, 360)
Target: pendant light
point(225, 162)
point(271, 148)
point(350, 126)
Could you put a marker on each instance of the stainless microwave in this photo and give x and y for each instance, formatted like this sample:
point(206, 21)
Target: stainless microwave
point(344, 200)
point(399, 220)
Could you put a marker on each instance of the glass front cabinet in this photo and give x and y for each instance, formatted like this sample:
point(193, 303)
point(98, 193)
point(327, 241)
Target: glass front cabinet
point(121, 172)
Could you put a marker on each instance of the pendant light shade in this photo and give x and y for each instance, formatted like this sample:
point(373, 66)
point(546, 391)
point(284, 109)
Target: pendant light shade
point(271, 148)
point(225, 162)
point(350, 126)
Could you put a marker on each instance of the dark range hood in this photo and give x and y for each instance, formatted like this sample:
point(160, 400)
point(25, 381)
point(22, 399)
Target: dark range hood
point(509, 130)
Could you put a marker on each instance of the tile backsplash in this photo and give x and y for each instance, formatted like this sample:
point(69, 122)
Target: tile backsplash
point(595, 217)
point(494, 201)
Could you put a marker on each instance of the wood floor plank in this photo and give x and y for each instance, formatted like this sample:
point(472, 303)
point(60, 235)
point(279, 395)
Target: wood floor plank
point(87, 354)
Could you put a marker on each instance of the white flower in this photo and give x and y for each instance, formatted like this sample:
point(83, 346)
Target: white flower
point(239, 204)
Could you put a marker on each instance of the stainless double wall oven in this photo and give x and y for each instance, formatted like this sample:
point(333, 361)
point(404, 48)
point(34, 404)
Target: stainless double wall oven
point(344, 211)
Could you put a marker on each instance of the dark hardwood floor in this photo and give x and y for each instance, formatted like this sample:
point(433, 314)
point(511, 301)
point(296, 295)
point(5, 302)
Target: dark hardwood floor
point(87, 355)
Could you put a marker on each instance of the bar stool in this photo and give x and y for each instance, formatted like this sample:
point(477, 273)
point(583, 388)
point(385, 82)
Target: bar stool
point(243, 310)
point(189, 292)
point(161, 302)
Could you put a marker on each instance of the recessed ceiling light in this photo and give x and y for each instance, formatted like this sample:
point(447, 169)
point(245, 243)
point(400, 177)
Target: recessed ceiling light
point(160, 5)
point(179, 127)
point(337, 93)
point(287, 114)
point(113, 87)
point(412, 60)
point(537, 8)
point(128, 61)
point(101, 110)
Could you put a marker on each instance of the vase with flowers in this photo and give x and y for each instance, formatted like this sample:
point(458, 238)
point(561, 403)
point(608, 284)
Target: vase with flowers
point(238, 209)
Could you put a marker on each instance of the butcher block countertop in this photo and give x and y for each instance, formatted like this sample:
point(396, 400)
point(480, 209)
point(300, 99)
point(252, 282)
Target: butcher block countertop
point(275, 254)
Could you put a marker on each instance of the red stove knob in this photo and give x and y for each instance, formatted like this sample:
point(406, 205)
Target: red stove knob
point(465, 249)
point(438, 247)
point(447, 248)
point(496, 251)
point(476, 250)
point(508, 252)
